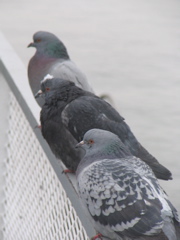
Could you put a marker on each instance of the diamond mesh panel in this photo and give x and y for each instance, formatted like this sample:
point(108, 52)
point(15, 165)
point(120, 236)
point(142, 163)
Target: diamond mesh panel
point(36, 205)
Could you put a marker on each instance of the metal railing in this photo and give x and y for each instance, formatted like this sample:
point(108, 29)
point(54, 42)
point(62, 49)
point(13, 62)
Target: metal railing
point(37, 201)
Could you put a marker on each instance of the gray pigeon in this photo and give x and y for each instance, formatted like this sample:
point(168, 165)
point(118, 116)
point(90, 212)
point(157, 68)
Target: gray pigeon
point(51, 57)
point(121, 193)
point(70, 109)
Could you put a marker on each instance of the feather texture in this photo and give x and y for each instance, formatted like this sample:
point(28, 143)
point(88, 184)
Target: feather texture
point(122, 195)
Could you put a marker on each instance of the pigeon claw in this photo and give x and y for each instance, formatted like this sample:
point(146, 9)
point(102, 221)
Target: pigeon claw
point(97, 237)
point(68, 171)
point(38, 126)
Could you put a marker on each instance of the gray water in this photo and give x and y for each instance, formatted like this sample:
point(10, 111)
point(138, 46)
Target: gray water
point(128, 49)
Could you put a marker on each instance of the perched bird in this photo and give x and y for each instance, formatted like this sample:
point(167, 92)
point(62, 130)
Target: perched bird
point(121, 193)
point(70, 109)
point(51, 57)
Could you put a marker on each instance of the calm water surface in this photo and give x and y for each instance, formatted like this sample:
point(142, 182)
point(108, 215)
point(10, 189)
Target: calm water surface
point(129, 49)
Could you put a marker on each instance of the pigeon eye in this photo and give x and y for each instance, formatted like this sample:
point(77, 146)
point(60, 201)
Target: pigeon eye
point(38, 40)
point(90, 141)
point(47, 89)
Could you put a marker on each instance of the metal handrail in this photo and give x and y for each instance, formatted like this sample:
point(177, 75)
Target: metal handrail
point(15, 75)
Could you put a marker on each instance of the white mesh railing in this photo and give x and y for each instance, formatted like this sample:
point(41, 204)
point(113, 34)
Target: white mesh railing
point(37, 200)
point(36, 205)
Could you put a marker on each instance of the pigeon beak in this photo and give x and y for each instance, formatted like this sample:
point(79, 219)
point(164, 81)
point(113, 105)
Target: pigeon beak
point(80, 144)
point(38, 94)
point(31, 45)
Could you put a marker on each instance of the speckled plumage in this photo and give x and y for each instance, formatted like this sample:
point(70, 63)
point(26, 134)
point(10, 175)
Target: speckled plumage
point(51, 57)
point(71, 108)
point(122, 195)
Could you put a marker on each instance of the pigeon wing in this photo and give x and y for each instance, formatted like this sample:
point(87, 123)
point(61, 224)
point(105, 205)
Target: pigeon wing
point(68, 70)
point(118, 198)
point(85, 113)
point(128, 138)
point(89, 112)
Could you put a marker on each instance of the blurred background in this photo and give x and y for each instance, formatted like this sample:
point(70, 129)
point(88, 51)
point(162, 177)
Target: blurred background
point(128, 49)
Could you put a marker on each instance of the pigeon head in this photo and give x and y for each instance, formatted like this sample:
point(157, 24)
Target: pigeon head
point(54, 87)
point(102, 143)
point(49, 45)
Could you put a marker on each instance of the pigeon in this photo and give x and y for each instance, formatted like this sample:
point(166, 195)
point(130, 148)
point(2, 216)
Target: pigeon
point(74, 110)
point(120, 192)
point(51, 57)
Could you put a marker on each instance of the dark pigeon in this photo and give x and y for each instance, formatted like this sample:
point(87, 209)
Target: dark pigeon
point(121, 193)
point(52, 58)
point(76, 111)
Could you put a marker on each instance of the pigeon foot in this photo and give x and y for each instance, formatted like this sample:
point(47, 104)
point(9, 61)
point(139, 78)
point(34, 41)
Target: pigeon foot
point(97, 237)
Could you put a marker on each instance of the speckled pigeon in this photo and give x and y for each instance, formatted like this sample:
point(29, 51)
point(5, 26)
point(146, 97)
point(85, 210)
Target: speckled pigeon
point(51, 57)
point(69, 107)
point(121, 193)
